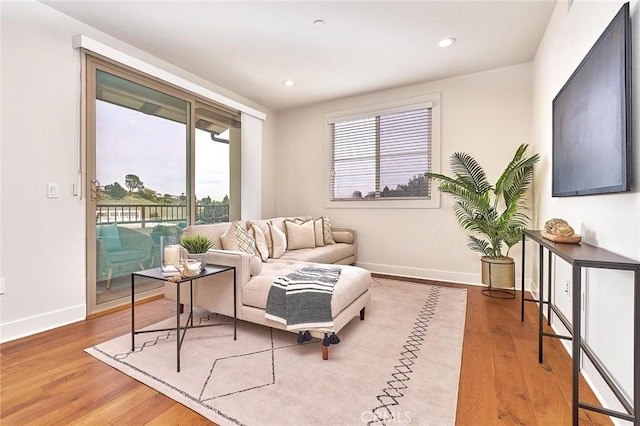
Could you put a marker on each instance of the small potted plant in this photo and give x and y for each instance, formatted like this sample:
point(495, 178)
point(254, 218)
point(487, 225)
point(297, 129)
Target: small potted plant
point(494, 212)
point(197, 247)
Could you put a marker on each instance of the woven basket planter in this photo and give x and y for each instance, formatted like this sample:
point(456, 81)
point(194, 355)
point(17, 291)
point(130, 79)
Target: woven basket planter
point(498, 272)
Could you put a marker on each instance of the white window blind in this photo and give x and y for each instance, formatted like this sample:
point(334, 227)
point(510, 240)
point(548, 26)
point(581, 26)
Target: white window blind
point(381, 157)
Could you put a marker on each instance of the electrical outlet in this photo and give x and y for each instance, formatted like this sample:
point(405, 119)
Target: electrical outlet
point(567, 288)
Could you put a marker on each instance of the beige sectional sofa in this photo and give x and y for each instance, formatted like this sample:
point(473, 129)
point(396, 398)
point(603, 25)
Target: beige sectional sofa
point(255, 272)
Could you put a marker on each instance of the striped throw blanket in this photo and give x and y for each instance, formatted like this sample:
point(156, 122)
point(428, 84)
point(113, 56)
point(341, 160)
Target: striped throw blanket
point(302, 299)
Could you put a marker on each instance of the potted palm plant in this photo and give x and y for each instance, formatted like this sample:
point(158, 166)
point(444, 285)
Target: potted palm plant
point(495, 214)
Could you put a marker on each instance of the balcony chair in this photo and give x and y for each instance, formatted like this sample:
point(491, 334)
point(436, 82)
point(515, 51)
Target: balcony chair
point(121, 250)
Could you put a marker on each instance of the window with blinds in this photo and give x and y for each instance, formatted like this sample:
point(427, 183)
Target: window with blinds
point(382, 156)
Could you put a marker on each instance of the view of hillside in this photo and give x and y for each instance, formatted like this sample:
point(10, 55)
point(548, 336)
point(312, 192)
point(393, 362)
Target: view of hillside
point(136, 193)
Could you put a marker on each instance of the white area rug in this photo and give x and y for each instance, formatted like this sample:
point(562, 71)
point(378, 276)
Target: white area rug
point(401, 365)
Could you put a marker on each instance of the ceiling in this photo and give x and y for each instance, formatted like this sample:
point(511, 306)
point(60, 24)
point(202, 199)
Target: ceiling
point(250, 48)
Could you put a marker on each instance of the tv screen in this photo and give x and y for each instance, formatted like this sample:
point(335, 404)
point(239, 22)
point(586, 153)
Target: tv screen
point(592, 116)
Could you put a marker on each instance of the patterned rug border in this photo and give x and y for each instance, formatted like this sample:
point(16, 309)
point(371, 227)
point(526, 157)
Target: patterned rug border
point(412, 345)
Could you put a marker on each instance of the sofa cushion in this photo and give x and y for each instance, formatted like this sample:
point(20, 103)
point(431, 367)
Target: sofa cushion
point(237, 238)
point(300, 235)
point(333, 253)
point(352, 283)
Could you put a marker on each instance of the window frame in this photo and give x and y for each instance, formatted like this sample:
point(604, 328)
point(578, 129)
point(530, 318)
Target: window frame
point(402, 105)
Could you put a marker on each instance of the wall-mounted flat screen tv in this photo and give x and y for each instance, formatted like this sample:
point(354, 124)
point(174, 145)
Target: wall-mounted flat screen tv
point(592, 117)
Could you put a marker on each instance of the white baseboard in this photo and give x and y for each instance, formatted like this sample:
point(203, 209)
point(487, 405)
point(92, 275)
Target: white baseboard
point(431, 274)
point(43, 322)
point(427, 274)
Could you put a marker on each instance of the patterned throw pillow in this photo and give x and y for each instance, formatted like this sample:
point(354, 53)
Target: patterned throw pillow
point(328, 236)
point(279, 240)
point(238, 239)
point(261, 241)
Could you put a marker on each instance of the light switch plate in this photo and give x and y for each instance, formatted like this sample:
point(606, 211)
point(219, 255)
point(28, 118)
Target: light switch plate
point(52, 190)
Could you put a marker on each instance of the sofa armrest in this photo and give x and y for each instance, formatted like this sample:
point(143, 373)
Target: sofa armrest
point(239, 259)
point(344, 235)
point(215, 293)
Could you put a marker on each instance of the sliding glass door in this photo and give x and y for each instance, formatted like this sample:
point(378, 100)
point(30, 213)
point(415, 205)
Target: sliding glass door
point(152, 171)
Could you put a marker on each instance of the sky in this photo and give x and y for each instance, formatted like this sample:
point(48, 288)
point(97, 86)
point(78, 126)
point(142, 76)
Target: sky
point(154, 149)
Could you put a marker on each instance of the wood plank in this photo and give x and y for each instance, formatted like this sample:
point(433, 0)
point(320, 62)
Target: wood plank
point(551, 406)
point(514, 402)
point(476, 393)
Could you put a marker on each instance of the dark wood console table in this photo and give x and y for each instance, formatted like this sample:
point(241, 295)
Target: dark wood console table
point(585, 256)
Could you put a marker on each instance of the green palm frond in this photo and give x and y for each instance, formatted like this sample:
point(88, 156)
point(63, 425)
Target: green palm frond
point(517, 176)
point(467, 169)
point(479, 245)
point(477, 202)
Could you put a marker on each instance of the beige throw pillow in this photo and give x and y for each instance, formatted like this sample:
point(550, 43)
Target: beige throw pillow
point(238, 239)
point(279, 241)
point(300, 235)
point(261, 241)
point(318, 228)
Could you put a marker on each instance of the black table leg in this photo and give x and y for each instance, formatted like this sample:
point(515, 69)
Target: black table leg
point(575, 342)
point(235, 306)
point(636, 346)
point(549, 279)
point(133, 320)
point(540, 302)
point(178, 325)
point(190, 319)
point(522, 283)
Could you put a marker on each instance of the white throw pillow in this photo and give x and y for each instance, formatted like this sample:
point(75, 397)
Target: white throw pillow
point(261, 241)
point(318, 227)
point(279, 241)
point(301, 235)
point(237, 238)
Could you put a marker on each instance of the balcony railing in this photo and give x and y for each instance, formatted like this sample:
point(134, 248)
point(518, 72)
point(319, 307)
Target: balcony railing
point(154, 214)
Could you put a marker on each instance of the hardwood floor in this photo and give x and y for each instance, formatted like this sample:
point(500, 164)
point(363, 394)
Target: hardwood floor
point(48, 379)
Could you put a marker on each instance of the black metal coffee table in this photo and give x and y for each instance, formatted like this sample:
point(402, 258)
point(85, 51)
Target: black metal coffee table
point(156, 273)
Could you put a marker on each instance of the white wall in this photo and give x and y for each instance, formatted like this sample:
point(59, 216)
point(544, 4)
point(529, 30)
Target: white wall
point(42, 240)
point(486, 114)
point(609, 221)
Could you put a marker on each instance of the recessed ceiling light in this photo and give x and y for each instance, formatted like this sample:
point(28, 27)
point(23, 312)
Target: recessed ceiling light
point(446, 42)
point(318, 23)
point(289, 83)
